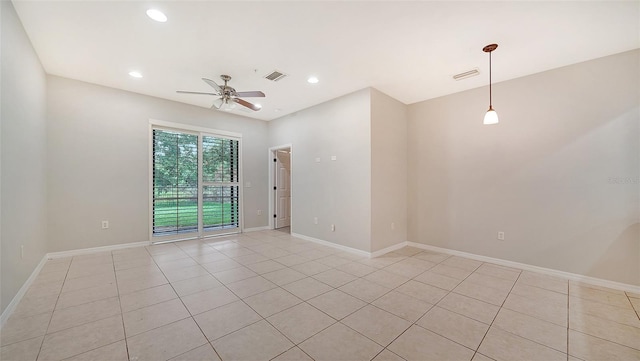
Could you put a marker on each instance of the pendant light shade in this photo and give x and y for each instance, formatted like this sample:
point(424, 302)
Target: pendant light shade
point(491, 117)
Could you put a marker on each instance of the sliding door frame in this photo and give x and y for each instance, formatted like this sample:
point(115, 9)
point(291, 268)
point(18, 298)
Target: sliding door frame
point(200, 132)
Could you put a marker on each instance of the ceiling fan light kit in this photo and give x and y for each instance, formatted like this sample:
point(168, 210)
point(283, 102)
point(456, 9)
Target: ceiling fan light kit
point(491, 117)
point(229, 97)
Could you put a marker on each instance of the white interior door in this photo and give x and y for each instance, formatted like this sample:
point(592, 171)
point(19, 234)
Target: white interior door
point(283, 188)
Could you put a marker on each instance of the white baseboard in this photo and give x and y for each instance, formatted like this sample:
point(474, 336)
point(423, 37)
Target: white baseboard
point(256, 229)
point(18, 297)
point(528, 267)
point(395, 247)
point(78, 252)
point(331, 244)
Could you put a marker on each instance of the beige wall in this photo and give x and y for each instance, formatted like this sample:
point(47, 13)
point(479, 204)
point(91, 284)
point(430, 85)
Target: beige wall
point(365, 189)
point(336, 192)
point(98, 158)
point(559, 174)
point(388, 171)
point(23, 156)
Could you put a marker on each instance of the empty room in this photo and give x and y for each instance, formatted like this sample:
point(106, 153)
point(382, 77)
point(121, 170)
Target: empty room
point(319, 180)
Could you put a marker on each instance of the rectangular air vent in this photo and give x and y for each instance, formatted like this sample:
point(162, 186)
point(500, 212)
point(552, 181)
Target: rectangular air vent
point(466, 74)
point(275, 75)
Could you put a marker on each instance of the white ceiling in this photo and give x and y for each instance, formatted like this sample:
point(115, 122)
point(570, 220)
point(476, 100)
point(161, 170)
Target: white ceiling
point(408, 50)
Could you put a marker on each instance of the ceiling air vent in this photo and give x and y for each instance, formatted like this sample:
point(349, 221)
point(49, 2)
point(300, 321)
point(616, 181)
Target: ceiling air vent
point(466, 74)
point(275, 75)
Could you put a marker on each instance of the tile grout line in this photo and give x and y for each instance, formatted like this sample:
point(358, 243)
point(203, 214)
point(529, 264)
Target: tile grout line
point(598, 337)
point(494, 317)
point(600, 317)
point(121, 316)
point(54, 308)
point(604, 303)
point(222, 285)
point(539, 319)
point(632, 306)
point(452, 291)
point(183, 304)
point(568, 313)
point(609, 341)
point(545, 289)
point(303, 301)
point(68, 328)
point(423, 314)
point(289, 349)
point(262, 317)
point(124, 330)
point(265, 318)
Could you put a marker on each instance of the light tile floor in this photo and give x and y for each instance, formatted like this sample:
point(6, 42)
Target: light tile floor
point(269, 296)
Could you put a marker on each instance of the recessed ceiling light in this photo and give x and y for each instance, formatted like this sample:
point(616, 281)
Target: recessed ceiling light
point(135, 74)
point(157, 15)
point(312, 80)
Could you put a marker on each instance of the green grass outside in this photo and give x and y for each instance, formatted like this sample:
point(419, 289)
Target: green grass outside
point(214, 214)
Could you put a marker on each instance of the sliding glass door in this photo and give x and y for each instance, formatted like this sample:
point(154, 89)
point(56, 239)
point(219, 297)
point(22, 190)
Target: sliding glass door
point(195, 184)
point(220, 184)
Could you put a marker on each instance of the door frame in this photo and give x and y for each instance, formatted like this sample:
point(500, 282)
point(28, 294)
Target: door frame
point(191, 129)
point(272, 194)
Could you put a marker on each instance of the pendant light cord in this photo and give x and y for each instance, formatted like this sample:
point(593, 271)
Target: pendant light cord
point(490, 105)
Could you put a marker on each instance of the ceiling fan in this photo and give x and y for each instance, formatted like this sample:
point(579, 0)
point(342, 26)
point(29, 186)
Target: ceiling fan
point(228, 95)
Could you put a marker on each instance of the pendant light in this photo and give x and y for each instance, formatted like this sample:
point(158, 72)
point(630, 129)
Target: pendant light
point(491, 117)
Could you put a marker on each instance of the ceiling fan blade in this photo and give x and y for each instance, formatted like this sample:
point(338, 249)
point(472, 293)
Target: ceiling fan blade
point(245, 103)
point(217, 104)
point(213, 85)
point(251, 94)
point(189, 92)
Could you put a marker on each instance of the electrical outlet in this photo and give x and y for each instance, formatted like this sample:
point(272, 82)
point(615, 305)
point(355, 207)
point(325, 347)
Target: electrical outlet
point(105, 224)
point(501, 236)
point(333, 228)
point(259, 212)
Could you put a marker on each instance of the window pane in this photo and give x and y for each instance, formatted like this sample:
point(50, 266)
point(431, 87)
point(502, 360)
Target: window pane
point(220, 207)
point(175, 182)
point(220, 160)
